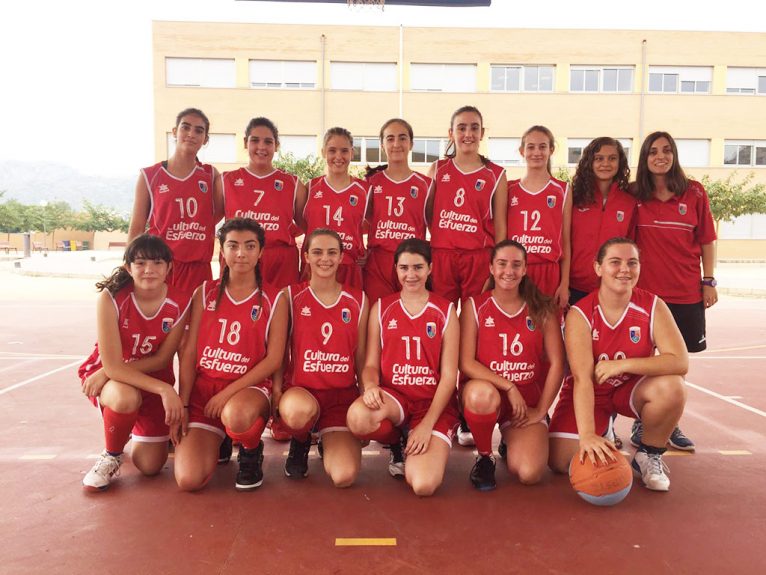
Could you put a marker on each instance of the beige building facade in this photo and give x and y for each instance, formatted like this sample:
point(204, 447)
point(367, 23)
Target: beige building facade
point(708, 89)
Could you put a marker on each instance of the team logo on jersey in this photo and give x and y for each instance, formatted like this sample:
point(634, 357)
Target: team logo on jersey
point(353, 200)
point(445, 178)
point(345, 315)
point(551, 201)
point(211, 305)
point(377, 189)
point(530, 324)
point(392, 324)
point(239, 182)
point(255, 313)
point(682, 209)
point(278, 185)
point(620, 215)
point(163, 189)
point(202, 186)
point(479, 185)
point(125, 323)
point(635, 333)
point(431, 329)
point(306, 311)
point(167, 324)
point(414, 192)
point(586, 209)
point(489, 321)
point(318, 195)
point(514, 201)
point(594, 334)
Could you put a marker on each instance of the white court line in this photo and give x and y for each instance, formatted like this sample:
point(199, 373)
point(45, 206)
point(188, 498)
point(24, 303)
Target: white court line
point(15, 365)
point(727, 399)
point(41, 376)
point(729, 357)
point(31, 357)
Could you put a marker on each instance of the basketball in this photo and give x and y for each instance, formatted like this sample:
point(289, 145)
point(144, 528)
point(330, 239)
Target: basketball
point(604, 484)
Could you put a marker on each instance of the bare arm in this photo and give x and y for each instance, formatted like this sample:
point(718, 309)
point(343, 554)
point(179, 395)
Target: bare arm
point(361, 342)
point(371, 372)
point(554, 350)
point(218, 203)
point(562, 293)
point(431, 194)
point(500, 209)
point(709, 293)
point(141, 207)
point(301, 197)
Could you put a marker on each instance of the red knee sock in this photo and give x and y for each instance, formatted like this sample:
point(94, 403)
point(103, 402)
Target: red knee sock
point(250, 438)
point(386, 433)
point(117, 428)
point(482, 425)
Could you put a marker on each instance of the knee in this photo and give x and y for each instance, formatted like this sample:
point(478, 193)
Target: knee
point(344, 477)
point(126, 400)
point(481, 398)
point(296, 414)
point(190, 482)
point(670, 391)
point(238, 420)
point(558, 463)
point(149, 469)
point(529, 475)
point(424, 486)
point(359, 419)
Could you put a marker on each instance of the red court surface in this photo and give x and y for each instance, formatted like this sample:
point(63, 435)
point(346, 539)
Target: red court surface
point(712, 520)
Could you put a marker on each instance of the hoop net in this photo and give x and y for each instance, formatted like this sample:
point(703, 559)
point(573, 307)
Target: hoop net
point(373, 3)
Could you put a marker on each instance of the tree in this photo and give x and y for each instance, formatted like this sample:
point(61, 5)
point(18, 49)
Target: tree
point(730, 198)
point(98, 218)
point(304, 168)
point(561, 173)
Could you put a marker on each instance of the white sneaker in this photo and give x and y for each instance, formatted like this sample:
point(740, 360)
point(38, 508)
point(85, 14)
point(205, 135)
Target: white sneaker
point(652, 469)
point(396, 461)
point(98, 478)
point(465, 437)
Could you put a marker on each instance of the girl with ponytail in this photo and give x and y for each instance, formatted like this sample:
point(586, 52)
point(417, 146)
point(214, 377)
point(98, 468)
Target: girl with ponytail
point(507, 334)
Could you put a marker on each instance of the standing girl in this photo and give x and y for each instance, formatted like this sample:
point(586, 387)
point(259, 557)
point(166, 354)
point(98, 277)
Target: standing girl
point(627, 356)
point(269, 196)
point(410, 373)
point(327, 347)
point(507, 333)
point(602, 209)
point(129, 375)
point(396, 210)
point(239, 329)
point(466, 213)
point(540, 216)
point(181, 201)
point(338, 201)
point(675, 231)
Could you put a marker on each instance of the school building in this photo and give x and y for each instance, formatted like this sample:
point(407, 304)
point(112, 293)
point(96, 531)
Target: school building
point(705, 88)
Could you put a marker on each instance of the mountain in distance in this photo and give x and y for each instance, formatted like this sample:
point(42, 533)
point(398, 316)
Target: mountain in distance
point(34, 182)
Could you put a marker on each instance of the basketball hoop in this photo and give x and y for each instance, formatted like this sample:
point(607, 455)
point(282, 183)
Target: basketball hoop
point(374, 3)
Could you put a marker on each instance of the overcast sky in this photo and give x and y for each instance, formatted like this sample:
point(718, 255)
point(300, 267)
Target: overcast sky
point(75, 75)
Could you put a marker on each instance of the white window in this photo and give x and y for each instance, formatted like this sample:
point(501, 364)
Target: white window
point(298, 146)
point(693, 153)
point(746, 80)
point(200, 72)
point(363, 76)
point(601, 79)
point(443, 77)
point(505, 150)
point(292, 74)
point(575, 146)
point(522, 78)
point(368, 151)
point(220, 148)
point(427, 150)
point(749, 227)
point(744, 153)
point(680, 80)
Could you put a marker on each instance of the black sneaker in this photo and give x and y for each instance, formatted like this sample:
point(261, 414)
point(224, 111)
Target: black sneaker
point(320, 449)
point(636, 433)
point(224, 451)
point(679, 441)
point(502, 450)
point(297, 464)
point(483, 473)
point(396, 460)
point(250, 473)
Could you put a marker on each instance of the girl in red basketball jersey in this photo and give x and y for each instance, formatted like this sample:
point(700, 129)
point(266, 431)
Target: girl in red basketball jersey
point(627, 356)
point(338, 201)
point(540, 216)
point(602, 208)
point(467, 210)
point(181, 201)
point(238, 326)
point(410, 373)
point(327, 347)
point(396, 208)
point(130, 372)
point(269, 196)
point(507, 333)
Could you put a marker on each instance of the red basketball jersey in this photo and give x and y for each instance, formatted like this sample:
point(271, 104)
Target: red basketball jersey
point(182, 211)
point(594, 224)
point(631, 336)
point(142, 336)
point(339, 210)
point(398, 209)
point(509, 345)
point(323, 339)
point(462, 213)
point(411, 346)
point(269, 200)
point(232, 335)
point(535, 220)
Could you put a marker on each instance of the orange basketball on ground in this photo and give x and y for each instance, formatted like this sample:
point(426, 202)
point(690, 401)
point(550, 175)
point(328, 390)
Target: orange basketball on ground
point(601, 484)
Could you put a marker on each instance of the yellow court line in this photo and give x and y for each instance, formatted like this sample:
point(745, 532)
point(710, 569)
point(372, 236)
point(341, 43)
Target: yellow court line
point(736, 452)
point(365, 542)
point(37, 457)
point(676, 453)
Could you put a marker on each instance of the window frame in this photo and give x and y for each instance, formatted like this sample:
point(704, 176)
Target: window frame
point(522, 69)
point(283, 84)
point(601, 79)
